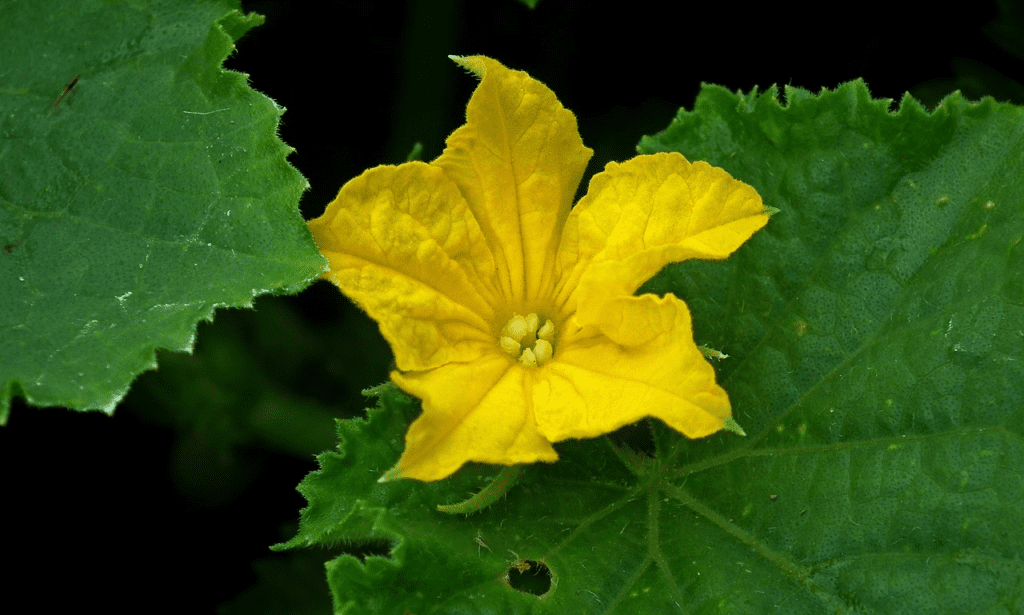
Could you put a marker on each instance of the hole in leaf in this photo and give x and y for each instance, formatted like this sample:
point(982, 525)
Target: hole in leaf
point(530, 576)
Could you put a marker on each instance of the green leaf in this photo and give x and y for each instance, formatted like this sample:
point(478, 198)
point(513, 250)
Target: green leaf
point(875, 330)
point(152, 192)
point(439, 558)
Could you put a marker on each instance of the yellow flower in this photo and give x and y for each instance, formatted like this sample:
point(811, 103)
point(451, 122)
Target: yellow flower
point(511, 313)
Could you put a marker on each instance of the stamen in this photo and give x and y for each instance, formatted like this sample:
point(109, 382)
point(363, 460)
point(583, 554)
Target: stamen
point(532, 321)
point(547, 332)
point(509, 345)
point(517, 328)
point(525, 338)
point(543, 351)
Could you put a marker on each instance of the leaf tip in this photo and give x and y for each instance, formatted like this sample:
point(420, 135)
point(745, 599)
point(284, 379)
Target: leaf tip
point(376, 391)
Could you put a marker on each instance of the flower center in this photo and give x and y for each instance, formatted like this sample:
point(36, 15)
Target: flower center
point(527, 339)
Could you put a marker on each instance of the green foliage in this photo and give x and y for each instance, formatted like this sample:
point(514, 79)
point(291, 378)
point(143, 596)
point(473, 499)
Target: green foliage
point(875, 331)
point(154, 191)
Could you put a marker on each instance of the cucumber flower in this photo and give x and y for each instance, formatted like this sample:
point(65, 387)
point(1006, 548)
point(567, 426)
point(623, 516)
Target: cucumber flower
point(511, 313)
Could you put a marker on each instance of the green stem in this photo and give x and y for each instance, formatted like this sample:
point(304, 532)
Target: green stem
point(488, 495)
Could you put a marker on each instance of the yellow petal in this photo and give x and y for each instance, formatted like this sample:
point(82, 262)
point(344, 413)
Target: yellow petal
point(594, 386)
point(403, 245)
point(518, 161)
point(479, 411)
point(632, 321)
point(639, 216)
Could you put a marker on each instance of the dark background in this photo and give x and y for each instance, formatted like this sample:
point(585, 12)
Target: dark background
point(176, 496)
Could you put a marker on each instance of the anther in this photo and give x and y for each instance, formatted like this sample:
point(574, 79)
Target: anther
point(525, 338)
point(509, 345)
point(542, 350)
point(547, 332)
point(532, 322)
point(528, 358)
point(517, 328)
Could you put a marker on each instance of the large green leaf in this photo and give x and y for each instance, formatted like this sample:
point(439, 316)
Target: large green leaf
point(875, 328)
point(154, 191)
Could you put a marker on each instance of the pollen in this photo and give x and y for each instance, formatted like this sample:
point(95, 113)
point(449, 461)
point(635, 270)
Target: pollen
point(529, 339)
